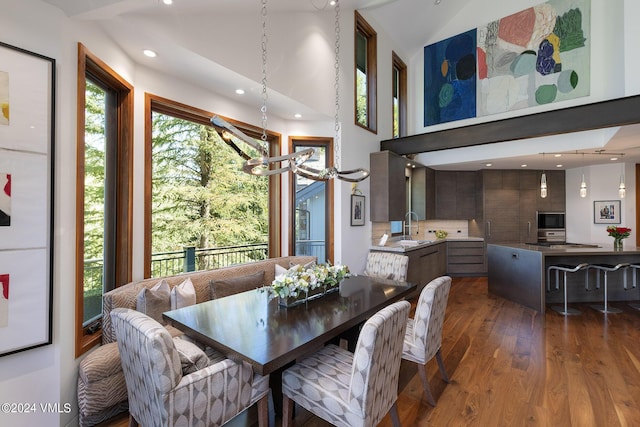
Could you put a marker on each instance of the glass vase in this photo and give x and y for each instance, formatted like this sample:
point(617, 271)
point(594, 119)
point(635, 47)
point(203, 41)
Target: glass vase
point(617, 244)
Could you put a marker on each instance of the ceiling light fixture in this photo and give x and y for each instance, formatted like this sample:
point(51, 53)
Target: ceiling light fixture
point(297, 115)
point(583, 184)
point(240, 91)
point(264, 165)
point(150, 53)
point(622, 189)
point(167, 2)
point(543, 181)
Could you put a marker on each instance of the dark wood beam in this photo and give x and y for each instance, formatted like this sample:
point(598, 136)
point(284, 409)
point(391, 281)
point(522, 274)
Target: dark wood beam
point(610, 113)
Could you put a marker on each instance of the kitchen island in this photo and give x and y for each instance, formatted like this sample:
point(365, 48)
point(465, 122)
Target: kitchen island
point(518, 272)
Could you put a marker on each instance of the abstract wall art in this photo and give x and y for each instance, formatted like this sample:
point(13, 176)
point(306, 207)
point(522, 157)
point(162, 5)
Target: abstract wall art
point(534, 57)
point(26, 199)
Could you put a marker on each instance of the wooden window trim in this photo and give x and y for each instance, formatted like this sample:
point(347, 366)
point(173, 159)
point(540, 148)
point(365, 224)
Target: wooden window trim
point(203, 117)
point(328, 144)
point(398, 64)
point(362, 26)
point(89, 63)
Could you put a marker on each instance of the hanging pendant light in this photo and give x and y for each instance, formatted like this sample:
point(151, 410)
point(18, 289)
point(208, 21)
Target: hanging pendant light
point(622, 189)
point(543, 181)
point(583, 184)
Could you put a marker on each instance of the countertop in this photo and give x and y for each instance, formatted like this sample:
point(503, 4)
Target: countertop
point(602, 249)
point(396, 246)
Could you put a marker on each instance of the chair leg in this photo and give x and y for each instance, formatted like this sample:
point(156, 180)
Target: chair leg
point(422, 369)
point(133, 422)
point(443, 371)
point(287, 411)
point(395, 419)
point(263, 411)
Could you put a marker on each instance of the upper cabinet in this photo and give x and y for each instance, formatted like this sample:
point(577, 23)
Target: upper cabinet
point(423, 193)
point(455, 194)
point(388, 186)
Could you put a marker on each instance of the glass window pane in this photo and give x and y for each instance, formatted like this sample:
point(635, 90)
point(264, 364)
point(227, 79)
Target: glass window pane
point(311, 209)
point(94, 200)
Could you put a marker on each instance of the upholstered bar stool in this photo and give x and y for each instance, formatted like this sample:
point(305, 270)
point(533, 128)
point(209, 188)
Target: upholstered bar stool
point(633, 268)
point(565, 268)
point(606, 268)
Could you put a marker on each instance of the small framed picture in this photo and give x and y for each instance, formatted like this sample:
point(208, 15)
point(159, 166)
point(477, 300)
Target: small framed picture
point(357, 209)
point(606, 212)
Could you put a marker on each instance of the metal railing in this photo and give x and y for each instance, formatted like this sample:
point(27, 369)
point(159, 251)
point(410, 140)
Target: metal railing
point(312, 247)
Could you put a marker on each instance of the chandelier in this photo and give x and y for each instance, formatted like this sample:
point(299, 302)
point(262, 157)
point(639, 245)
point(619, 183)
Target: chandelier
point(263, 164)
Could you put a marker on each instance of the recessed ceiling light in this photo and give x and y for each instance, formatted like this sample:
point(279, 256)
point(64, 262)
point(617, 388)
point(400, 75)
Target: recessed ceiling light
point(167, 2)
point(297, 115)
point(240, 91)
point(488, 164)
point(557, 155)
point(150, 53)
point(559, 166)
point(437, 2)
point(523, 166)
point(613, 159)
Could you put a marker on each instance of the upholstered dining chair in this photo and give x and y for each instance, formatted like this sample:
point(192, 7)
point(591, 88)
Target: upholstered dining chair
point(352, 389)
point(387, 265)
point(161, 395)
point(423, 337)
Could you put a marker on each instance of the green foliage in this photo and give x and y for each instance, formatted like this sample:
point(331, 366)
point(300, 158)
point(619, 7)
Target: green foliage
point(201, 197)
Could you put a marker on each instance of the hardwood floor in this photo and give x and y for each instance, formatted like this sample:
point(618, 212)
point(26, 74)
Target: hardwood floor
point(512, 366)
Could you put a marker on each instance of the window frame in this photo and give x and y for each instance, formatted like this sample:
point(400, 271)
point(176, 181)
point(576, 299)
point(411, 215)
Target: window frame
point(362, 27)
point(327, 143)
point(398, 66)
point(155, 103)
point(90, 65)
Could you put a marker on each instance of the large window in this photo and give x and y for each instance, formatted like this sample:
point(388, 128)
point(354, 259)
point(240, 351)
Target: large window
point(365, 74)
point(399, 96)
point(104, 185)
point(311, 216)
point(202, 211)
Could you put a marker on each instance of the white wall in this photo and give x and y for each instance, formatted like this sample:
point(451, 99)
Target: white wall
point(602, 184)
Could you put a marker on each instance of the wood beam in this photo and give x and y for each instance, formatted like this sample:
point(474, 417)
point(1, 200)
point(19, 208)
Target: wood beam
point(610, 113)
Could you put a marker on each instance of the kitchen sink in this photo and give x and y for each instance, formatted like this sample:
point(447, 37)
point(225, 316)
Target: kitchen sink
point(413, 242)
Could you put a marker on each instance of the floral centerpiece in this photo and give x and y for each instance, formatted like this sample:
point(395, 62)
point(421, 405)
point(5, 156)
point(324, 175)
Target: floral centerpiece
point(618, 233)
point(298, 284)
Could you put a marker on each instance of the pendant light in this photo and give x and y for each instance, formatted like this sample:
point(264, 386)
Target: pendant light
point(583, 184)
point(543, 181)
point(622, 189)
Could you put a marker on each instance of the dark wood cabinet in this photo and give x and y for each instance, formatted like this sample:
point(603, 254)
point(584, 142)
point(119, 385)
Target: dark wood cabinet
point(388, 186)
point(466, 258)
point(425, 264)
point(423, 192)
point(455, 194)
point(510, 200)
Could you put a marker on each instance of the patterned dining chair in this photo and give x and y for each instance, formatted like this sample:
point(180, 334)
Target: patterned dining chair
point(352, 389)
point(387, 265)
point(423, 337)
point(161, 395)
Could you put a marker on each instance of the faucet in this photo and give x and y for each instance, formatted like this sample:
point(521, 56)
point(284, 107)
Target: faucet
point(411, 214)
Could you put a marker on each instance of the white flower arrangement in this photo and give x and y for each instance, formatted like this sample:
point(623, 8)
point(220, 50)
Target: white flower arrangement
point(298, 281)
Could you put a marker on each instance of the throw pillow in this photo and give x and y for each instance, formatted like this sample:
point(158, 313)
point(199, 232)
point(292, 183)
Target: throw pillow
point(155, 301)
point(234, 285)
point(183, 295)
point(192, 358)
point(282, 270)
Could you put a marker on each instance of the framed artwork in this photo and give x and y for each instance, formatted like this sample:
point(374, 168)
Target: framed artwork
point(27, 129)
point(357, 209)
point(606, 212)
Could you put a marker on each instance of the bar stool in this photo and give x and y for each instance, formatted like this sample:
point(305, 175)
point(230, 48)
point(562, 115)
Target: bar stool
point(634, 267)
point(565, 268)
point(606, 268)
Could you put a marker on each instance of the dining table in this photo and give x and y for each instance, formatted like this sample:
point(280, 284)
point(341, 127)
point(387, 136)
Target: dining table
point(253, 326)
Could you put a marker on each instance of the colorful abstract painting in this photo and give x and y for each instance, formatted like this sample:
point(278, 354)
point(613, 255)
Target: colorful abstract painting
point(5, 199)
point(4, 300)
point(450, 79)
point(4, 98)
point(537, 56)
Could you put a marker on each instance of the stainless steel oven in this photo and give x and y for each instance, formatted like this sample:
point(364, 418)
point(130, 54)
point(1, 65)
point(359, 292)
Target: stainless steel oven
point(551, 227)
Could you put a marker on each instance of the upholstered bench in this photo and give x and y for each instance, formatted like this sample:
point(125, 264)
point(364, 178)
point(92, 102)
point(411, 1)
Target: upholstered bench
point(102, 391)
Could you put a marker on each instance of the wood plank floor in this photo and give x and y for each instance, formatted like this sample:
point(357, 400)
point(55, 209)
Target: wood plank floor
point(511, 366)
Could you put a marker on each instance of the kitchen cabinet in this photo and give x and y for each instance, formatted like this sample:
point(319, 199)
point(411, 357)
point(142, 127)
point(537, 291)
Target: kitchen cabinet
point(466, 258)
point(427, 263)
point(423, 192)
point(455, 194)
point(388, 186)
point(510, 200)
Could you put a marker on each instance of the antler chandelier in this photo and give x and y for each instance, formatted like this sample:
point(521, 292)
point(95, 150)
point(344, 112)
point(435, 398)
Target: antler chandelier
point(263, 164)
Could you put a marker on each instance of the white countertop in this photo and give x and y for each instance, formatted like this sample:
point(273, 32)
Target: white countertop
point(396, 246)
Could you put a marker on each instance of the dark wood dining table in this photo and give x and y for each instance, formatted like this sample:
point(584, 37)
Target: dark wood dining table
point(252, 326)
